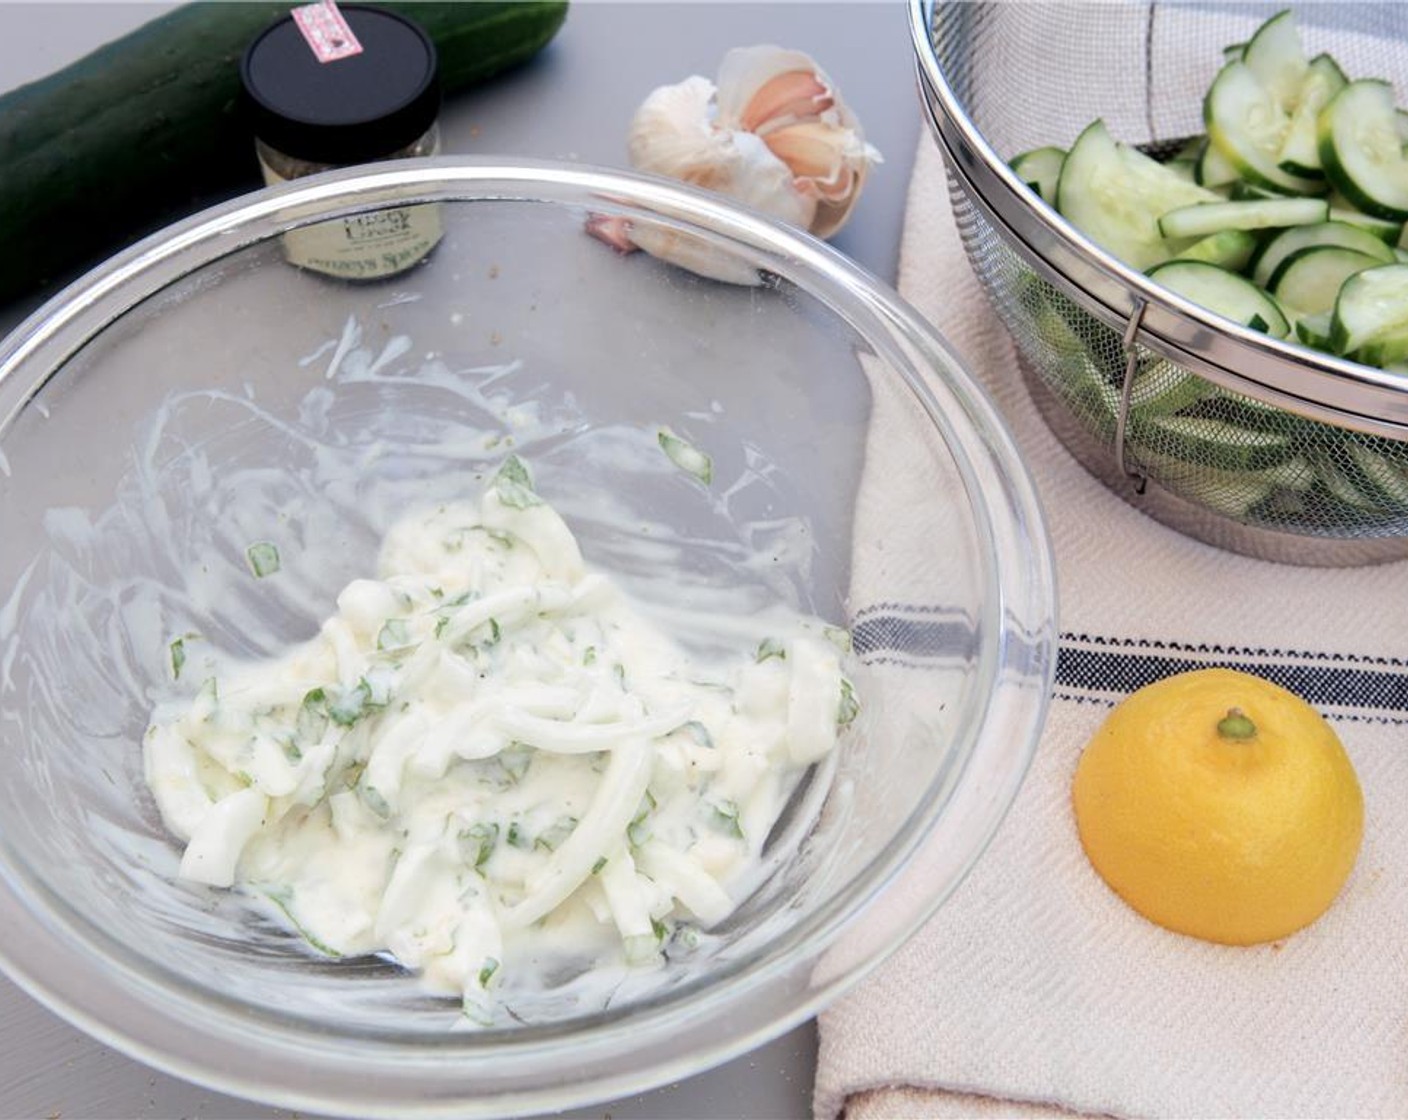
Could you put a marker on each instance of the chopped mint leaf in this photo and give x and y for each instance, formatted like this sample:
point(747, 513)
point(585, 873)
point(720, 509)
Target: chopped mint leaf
point(263, 559)
point(312, 719)
point(553, 836)
point(725, 818)
point(770, 647)
point(373, 800)
point(440, 624)
point(491, 966)
point(589, 655)
point(515, 760)
point(514, 484)
point(660, 929)
point(480, 841)
point(686, 456)
point(598, 865)
point(638, 831)
point(395, 634)
point(178, 656)
point(849, 707)
point(517, 838)
point(839, 637)
point(368, 695)
point(283, 899)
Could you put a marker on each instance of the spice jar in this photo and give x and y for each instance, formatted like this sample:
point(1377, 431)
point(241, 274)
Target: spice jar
point(372, 95)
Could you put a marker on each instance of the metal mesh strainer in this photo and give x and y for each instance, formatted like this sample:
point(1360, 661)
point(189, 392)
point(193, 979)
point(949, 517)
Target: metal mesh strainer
point(1310, 460)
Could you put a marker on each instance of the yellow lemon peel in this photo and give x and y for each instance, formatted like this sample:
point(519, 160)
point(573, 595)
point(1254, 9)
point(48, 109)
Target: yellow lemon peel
point(1221, 806)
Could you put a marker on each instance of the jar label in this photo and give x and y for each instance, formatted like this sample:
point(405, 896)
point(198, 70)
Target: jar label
point(366, 246)
point(326, 31)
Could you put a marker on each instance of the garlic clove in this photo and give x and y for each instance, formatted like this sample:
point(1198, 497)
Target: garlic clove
point(693, 253)
point(753, 78)
point(817, 155)
point(796, 95)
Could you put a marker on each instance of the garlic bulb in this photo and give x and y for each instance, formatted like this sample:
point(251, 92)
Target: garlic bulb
point(773, 134)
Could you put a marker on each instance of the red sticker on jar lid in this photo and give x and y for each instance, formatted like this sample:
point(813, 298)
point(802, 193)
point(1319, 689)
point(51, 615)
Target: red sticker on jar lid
point(325, 31)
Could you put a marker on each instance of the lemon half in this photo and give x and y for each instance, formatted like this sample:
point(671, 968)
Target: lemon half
point(1220, 805)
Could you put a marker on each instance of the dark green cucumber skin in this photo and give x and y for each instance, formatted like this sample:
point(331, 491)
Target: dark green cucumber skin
point(148, 127)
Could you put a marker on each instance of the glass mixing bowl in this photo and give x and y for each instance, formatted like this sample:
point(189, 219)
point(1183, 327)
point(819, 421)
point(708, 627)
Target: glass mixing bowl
point(198, 393)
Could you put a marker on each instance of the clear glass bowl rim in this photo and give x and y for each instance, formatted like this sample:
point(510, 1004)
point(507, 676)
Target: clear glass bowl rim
point(213, 1042)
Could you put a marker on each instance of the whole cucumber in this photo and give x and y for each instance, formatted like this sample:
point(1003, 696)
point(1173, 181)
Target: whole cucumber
point(148, 127)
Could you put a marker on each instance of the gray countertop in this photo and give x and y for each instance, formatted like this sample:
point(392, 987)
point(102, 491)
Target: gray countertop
point(572, 103)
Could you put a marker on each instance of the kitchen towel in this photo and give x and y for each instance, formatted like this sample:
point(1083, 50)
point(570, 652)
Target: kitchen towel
point(1035, 991)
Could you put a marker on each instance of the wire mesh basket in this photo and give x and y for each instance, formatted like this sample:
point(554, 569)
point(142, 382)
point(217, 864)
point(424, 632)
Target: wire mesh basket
point(1310, 463)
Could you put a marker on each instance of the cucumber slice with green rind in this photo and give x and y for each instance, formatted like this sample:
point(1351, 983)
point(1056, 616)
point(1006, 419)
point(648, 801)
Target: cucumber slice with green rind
point(1205, 218)
point(1372, 304)
point(1040, 169)
point(1275, 56)
point(1114, 195)
point(1283, 244)
point(1381, 478)
point(1225, 293)
point(1214, 170)
point(1300, 151)
point(1309, 280)
point(1212, 443)
point(1163, 388)
point(1361, 151)
point(1385, 351)
point(1314, 330)
point(1229, 248)
point(1342, 210)
point(1247, 126)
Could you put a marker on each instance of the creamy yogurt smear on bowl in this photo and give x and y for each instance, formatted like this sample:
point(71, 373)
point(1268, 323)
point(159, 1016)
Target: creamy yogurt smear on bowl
point(489, 758)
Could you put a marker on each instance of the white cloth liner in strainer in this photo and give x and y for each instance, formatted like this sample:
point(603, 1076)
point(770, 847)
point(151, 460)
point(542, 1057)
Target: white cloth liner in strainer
point(1034, 983)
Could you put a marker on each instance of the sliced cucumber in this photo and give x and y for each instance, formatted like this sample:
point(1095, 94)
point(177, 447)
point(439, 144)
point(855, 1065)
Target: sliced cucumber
point(1372, 304)
point(1383, 479)
point(1277, 60)
point(1216, 444)
point(1300, 151)
point(1342, 210)
point(1303, 237)
point(1242, 411)
point(1164, 388)
point(1309, 280)
point(1214, 170)
point(1387, 351)
point(1314, 330)
point(1040, 169)
point(1192, 149)
point(1228, 248)
point(1114, 195)
point(1206, 218)
point(1225, 293)
point(1361, 151)
point(1247, 125)
point(1242, 191)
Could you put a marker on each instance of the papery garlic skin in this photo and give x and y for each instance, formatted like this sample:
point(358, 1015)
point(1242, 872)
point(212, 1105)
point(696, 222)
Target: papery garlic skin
point(773, 134)
point(674, 134)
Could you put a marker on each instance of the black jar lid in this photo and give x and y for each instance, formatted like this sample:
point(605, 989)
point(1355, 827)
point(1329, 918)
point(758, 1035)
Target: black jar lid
point(352, 110)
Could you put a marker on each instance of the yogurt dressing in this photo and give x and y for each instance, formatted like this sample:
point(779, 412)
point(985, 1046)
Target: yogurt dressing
point(489, 759)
